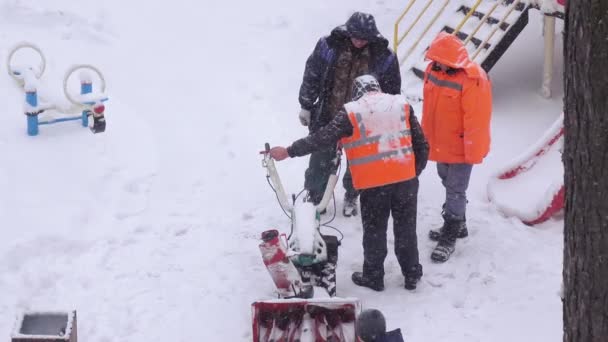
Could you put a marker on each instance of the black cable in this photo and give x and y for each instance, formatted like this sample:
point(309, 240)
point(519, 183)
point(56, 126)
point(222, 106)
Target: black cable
point(277, 196)
point(334, 216)
point(338, 171)
point(300, 193)
point(325, 224)
point(337, 230)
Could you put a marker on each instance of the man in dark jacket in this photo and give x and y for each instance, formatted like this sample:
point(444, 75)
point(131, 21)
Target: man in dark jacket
point(353, 49)
point(387, 150)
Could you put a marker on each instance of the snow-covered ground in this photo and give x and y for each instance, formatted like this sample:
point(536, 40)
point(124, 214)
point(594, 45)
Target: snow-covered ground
point(150, 230)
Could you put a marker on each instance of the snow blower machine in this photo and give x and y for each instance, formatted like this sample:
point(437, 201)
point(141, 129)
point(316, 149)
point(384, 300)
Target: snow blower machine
point(303, 268)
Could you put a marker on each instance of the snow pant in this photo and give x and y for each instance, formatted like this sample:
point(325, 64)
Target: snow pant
point(401, 201)
point(455, 179)
point(317, 175)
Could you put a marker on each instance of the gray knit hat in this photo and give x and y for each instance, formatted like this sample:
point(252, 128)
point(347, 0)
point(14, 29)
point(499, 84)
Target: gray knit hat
point(364, 84)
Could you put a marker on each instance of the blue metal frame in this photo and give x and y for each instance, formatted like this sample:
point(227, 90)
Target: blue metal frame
point(73, 118)
point(85, 88)
point(31, 97)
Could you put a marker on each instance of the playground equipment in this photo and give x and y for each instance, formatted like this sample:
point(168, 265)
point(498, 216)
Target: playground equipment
point(519, 190)
point(87, 103)
point(486, 27)
point(531, 187)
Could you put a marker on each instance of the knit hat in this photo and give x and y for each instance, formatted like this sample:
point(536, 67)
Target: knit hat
point(363, 85)
point(370, 325)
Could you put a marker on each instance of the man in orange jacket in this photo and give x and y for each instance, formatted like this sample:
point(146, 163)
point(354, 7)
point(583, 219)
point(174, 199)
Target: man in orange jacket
point(456, 121)
point(386, 151)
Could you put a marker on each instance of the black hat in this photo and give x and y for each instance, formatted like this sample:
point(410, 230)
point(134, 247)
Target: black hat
point(370, 325)
point(362, 26)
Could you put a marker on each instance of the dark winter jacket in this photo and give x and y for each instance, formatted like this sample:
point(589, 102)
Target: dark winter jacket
point(341, 127)
point(321, 64)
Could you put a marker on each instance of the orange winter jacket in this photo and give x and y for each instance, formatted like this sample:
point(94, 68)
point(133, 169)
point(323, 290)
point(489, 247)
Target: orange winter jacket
point(457, 104)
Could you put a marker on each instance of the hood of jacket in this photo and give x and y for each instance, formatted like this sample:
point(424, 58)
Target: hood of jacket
point(448, 50)
point(361, 26)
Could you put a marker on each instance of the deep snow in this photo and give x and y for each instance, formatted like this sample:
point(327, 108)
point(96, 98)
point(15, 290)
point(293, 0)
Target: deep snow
point(150, 230)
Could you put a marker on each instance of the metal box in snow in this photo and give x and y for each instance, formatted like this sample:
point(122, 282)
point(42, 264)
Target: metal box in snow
point(45, 327)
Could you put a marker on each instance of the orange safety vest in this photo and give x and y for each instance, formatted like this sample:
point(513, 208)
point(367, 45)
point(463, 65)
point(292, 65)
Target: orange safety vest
point(379, 151)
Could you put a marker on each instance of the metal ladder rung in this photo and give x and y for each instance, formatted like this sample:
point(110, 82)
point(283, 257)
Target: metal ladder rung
point(490, 20)
point(419, 73)
point(520, 6)
point(463, 36)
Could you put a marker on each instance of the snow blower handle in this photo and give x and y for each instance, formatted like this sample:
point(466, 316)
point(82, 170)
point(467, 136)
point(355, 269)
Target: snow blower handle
point(275, 181)
point(332, 181)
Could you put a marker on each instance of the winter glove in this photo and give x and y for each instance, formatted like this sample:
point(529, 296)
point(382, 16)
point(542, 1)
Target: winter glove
point(304, 117)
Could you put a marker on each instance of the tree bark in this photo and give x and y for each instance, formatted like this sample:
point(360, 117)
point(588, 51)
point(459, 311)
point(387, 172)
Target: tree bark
point(585, 302)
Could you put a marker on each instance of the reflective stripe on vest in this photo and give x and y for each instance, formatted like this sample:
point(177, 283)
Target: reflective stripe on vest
point(379, 151)
point(445, 83)
point(380, 156)
point(374, 139)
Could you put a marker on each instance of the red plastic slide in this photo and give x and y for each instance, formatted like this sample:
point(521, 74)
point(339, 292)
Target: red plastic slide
point(532, 186)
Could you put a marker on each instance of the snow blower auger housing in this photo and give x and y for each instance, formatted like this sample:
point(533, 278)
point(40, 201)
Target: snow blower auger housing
point(303, 268)
point(305, 320)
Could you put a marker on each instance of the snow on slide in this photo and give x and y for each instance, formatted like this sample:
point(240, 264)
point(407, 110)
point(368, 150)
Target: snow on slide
point(531, 187)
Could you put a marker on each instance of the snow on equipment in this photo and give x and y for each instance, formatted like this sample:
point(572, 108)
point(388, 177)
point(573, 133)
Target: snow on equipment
point(303, 268)
point(531, 187)
point(305, 320)
point(306, 250)
point(87, 103)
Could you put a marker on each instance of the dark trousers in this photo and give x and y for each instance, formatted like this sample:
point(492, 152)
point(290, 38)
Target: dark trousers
point(401, 201)
point(455, 179)
point(317, 175)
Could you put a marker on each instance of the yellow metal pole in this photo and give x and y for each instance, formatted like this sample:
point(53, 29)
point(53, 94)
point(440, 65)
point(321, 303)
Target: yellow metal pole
point(481, 21)
point(415, 21)
point(396, 36)
point(466, 17)
point(495, 29)
point(409, 52)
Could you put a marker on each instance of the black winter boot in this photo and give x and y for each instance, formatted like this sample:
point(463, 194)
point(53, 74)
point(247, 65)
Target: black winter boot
point(463, 232)
point(350, 206)
point(376, 284)
point(435, 234)
point(447, 241)
point(412, 276)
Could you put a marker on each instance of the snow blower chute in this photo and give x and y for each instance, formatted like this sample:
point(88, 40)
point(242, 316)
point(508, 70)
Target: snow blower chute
point(303, 268)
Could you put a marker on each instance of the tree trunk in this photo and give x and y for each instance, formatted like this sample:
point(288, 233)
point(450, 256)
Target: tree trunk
point(585, 306)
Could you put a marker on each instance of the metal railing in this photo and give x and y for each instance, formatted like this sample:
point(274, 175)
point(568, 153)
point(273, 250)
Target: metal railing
point(466, 17)
point(481, 22)
point(497, 26)
point(398, 39)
